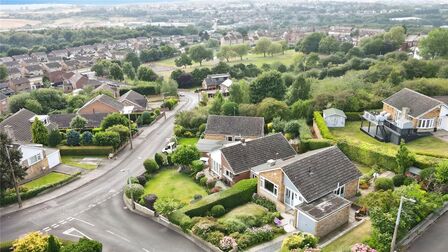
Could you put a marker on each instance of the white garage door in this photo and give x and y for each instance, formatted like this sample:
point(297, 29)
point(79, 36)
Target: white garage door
point(54, 159)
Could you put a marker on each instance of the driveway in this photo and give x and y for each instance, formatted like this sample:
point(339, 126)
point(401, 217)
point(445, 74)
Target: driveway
point(434, 239)
point(441, 134)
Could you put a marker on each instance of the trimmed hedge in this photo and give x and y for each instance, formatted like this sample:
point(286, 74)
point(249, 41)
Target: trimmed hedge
point(237, 195)
point(85, 150)
point(320, 122)
point(9, 199)
point(353, 116)
point(304, 130)
point(314, 144)
point(141, 89)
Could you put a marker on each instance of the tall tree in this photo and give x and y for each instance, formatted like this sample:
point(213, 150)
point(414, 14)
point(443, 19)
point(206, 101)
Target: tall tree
point(216, 104)
point(133, 59)
point(199, 53)
point(129, 70)
point(262, 46)
point(54, 138)
point(116, 72)
point(268, 84)
point(185, 154)
point(226, 52)
point(328, 45)
point(239, 92)
point(145, 73)
point(78, 122)
point(39, 132)
point(299, 90)
point(15, 155)
point(183, 60)
point(435, 45)
point(310, 43)
point(274, 48)
point(53, 244)
point(241, 50)
point(3, 73)
point(396, 35)
point(404, 158)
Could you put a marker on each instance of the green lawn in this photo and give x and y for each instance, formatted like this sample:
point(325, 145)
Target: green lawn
point(424, 145)
point(187, 140)
point(171, 184)
point(345, 242)
point(247, 209)
point(76, 162)
point(50, 178)
point(364, 169)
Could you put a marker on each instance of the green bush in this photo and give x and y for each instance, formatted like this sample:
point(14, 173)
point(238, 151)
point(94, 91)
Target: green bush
point(150, 165)
point(85, 150)
point(203, 181)
point(143, 89)
point(73, 138)
point(262, 201)
point(6, 246)
point(134, 180)
point(299, 241)
point(214, 237)
point(134, 190)
point(233, 225)
point(83, 245)
point(166, 206)
point(217, 211)
point(109, 138)
point(353, 116)
point(9, 199)
point(398, 180)
point(237, 195)
point(314, 144)
point(384, 184)
point(320, 122)
point(304, 130)
point(86, 138)
point(197, 166)
point(160, 159)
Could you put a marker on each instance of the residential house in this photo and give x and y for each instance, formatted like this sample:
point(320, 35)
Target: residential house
point(62, 121)
point(313, 186)
point(21, 57)
point(53, 66)
point(4, 104)
point(132, 98)
point(33, 71)
point(213, 81)
point(76, 81)
point(225, 87)
point(59, 53)
point(39, 56)
point(233, 128)
point(334, 118)
point(411, 41)
point(5, 89)
point(234, 161)
point(56, 78)
point(105, 87)
point(71, 65)
point(38, 160)
point(20, 85)
point(14, 73)
point(232, 38)
point(11, 64)
point(6, 59)
point(406, 115)
point(101, 104)
point(52, 58)
point(28, 62)
point(18, 126)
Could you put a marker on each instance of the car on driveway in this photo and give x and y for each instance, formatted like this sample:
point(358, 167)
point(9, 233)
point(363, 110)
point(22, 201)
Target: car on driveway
point(169, 148)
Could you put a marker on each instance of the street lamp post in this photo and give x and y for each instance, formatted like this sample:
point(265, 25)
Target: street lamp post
point(19, 200)
point(129, 184)
point(397, 222)
point(127, 110)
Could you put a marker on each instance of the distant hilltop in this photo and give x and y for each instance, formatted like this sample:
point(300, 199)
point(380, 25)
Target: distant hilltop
point(24, 2)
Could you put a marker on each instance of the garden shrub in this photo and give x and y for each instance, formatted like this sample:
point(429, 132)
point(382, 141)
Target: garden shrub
point(149, 201)
point(109, 138)
point(201, 128)
point(245, 240)
point(304, 130)
point(134, 190)
point(150, 165)
point(261, 234)
point(146, 118)
point(299, 241)
point(166, 206)
point(143, 89)
point(85, 150)
point(217, 211)
point(237, 195)
point(160, 159)
point(269, 217)
point(320, 122)
point(398, 180)
point(54, 137)
point(203, 227)
point(178, 130)
point(73, 138)
point(251, 220)
point(134, 180)
point(314, 144)
point(199, 175)
point(142, 179)
point(264, 202)
point(211, 182)
point(292, 127)
point(33, 241)
point(83, 245)
point(227, 243)
point(233, 225)
point(197, 166)
point(214, 237)
point(86, 138)
point(353, 116)
point(203, 181)
point(384, 184)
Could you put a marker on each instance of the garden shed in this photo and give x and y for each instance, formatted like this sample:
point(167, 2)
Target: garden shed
point(334, 117)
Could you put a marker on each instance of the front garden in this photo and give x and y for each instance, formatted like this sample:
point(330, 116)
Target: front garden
point(84, 162)
point(49, 179)
point(345, 242)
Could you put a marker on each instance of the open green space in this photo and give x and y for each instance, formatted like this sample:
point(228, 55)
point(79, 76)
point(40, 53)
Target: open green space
point(345, 242)
point(76, 162)
point(169, 183)
point(50, 178)
point(245, 210)
point(428, 145)
point(187, 140)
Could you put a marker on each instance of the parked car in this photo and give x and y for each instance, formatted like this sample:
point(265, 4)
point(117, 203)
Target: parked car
point(169, 148)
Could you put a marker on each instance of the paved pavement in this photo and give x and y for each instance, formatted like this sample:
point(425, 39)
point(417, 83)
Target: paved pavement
point(67, 169)
point(95, 209)
point(434, 239)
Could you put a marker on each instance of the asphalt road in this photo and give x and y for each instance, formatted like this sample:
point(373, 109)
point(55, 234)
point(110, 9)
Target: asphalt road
point(96, 210)
point(434, 239)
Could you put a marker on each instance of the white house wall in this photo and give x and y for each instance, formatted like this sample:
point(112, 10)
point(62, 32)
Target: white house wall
point(54, 159)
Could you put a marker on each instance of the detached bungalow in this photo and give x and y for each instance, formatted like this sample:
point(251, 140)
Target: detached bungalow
point(132, 98)
point(234, 162)
point(101, 104)
point(38, 160)
point(312, 186)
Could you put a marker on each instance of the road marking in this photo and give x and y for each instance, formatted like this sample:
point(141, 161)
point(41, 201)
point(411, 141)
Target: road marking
point(54, 225)
point(92, 205)
point(88, 223)
point(117, 235)
point(62, 222)
point(76, 233)
point(145, 250)
point(69, 219)
point(46, 229)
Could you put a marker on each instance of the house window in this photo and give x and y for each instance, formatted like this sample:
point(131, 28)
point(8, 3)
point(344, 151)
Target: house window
point(229, 138)
point(237, 138)
point(426, 123)
point(269, 186)
point(228, 174)
point(34, 159)
point(340, 191)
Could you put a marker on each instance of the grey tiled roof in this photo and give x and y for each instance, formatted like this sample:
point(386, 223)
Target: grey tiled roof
point(324, 206)
point(63, 120)
point(106, 100)
point(20, 125)
point(317, 173)
point(416, 102)
point(134, 97)
point(243, 156)
point(235, 125)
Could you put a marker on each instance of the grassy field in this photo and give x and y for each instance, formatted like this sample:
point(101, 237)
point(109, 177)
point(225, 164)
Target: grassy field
point(247, 209)
point(171, 184)
point(76, 162)
point(429, 144)
point(345, 242)
point(50, 178)
point(166, 66)
point(187, 140)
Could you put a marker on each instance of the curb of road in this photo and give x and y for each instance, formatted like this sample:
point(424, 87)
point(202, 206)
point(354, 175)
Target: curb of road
point(7, 210)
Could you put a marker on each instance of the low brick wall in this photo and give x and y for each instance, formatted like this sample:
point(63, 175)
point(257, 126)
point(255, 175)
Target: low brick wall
point(143, 211)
